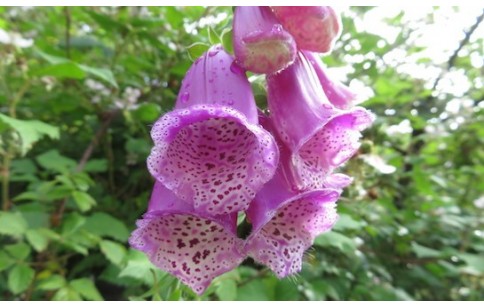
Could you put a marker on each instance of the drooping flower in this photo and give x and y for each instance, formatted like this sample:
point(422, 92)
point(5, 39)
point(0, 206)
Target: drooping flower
point(337, 93)
point(192, 246)
point(261, 45)
point(210, 150)
point(319, 136)
point(286, 221)
point(314, 28)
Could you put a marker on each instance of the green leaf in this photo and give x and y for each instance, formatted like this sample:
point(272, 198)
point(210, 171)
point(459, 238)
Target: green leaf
point(20, 278)
point(102, 73)
point(86, 288)
point(425, 252)
point(65, 68)
point(66, 294)
point(113, 251)
point(337, 240)
point(196, 50)
point(83, 200)
point(227, 290)
point(5, 260)
point(30, 131)
point(37, 239)
point(72, 223)
point(19, 251)
point(103, 224)
point(255, 290)
point(475, 263)
point(147, 112)
point(138, 267)
point(96, 165)
point(54, 282)
point(346, 222)
point(12, 224)
point(52, 160)
point(62, 70)
point(227, 40)
point(213, 37)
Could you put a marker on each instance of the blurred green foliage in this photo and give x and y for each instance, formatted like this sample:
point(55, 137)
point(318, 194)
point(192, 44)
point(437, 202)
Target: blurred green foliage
point(77, 102)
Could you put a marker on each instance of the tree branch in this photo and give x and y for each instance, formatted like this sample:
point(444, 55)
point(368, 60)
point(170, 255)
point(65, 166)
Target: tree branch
point(107, 118)
point(453, 57)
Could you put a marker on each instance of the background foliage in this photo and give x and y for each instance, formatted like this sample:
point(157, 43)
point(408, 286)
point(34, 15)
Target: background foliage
point(80, 87)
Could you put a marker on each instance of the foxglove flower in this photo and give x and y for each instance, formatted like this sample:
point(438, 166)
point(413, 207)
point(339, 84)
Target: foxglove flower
point(314, 28)
point(192, 246)
point(337, 93)
point(319, 136)
point(210, 151)
point(286, 221)
point(261, 45)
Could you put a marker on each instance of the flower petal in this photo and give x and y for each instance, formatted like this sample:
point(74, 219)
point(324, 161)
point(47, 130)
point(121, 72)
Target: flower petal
point(261, 45)
point(193, 247)
point(210, 151)
point(319, 136)
point(314, 28)
point(337, 93)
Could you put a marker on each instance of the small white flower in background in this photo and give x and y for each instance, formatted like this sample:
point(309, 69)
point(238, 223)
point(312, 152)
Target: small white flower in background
point(378, 163)
point(479, 202)
point(12, 38)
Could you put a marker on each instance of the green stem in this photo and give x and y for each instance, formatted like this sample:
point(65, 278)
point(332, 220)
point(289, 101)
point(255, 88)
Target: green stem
point(5, 182)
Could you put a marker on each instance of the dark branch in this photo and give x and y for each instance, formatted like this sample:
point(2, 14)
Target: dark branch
point(453, 57)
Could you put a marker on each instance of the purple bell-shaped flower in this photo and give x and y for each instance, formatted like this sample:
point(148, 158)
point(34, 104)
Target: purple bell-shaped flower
point(210, 150)
point(192, 246)
point(319, 136)
point(261, 45)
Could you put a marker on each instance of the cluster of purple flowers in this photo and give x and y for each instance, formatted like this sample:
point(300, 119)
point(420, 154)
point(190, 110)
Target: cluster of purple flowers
point(216, 155)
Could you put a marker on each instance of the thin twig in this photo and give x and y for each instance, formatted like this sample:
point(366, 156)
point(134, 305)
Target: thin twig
point(56, 217)
point(67, 14)
point(453, 57)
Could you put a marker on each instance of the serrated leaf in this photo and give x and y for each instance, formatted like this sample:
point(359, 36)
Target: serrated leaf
point(12, 224)
point(53, 282)
point(19, 251)
point(30, 131)
point(19, 278)
point(113, 251)
point(86, 288)
point(83, 200)
point(37, 239)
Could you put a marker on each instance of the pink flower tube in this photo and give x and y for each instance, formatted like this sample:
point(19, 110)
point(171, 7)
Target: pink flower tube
point(285, 222)
point(337, 93)
point(210, 151)
point(194, 247)
point(314, 28)
point(319, 136)
point(261, 45)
